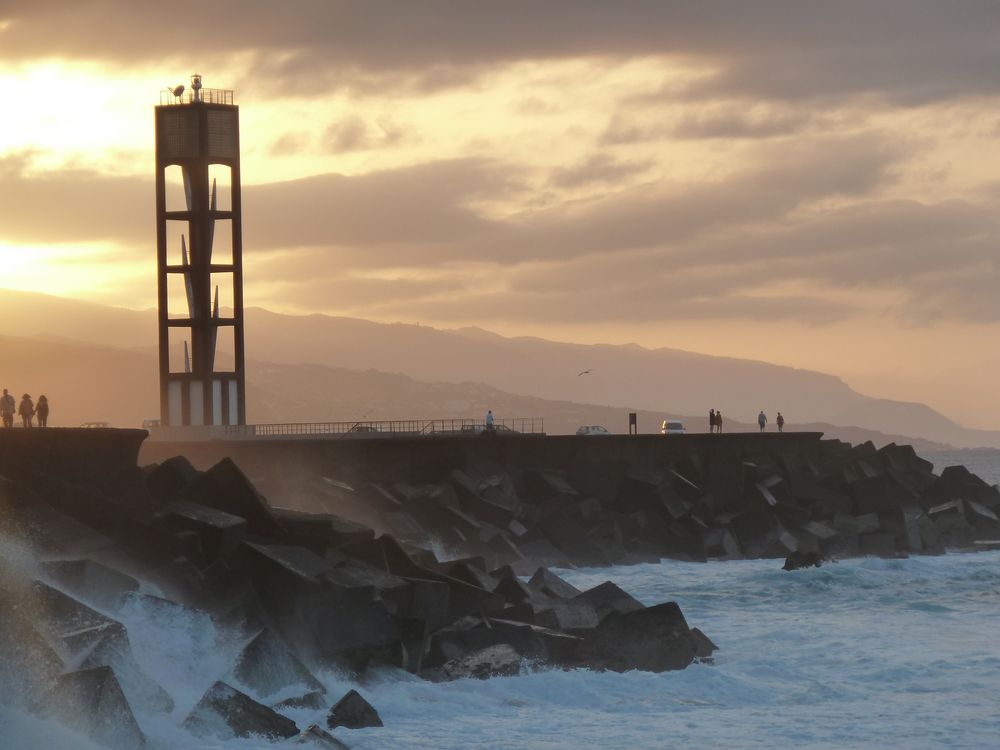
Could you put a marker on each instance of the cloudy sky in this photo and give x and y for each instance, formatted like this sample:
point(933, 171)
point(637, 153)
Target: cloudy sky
point(811, 184)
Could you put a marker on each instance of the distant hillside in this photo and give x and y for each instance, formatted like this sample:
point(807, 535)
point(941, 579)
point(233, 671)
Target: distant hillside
point(661, 382)
point(87, 383)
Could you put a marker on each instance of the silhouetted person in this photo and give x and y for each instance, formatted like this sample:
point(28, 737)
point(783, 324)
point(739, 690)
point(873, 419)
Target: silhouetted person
point(26, 410)
point(489, 420)
point(780, 421)
point(42, 411)
point(718, 420)
point(762, 420)
point(711, 420)
point(8, 407)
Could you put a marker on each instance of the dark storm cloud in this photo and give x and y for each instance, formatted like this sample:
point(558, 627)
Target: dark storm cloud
point(911, 51)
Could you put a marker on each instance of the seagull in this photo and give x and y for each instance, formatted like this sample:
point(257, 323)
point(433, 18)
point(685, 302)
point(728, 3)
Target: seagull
point(583, 372)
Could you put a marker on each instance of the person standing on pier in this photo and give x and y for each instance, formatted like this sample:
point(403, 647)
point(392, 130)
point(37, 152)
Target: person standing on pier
point(489, 420)
point(42, 411)
point(7, 408)
point(762, 420)
point(711, 420)
point(718, 420)
point(780, 421)
point(26, 410)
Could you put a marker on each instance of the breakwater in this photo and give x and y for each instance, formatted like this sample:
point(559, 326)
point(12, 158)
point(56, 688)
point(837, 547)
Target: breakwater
point(558, 500)
point(88, 537)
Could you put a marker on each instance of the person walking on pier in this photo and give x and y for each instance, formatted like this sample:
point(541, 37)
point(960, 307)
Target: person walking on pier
point(26, 410)
point(489, 420)
point(762, 420)
point(711, 420)
point(8, 407)
point(780, 421)
point(42, 411)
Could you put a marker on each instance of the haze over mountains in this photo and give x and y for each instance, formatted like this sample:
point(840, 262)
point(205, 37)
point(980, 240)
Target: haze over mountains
point(98, 362)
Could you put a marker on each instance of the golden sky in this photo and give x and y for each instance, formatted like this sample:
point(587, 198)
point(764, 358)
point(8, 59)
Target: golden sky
point(802, 184)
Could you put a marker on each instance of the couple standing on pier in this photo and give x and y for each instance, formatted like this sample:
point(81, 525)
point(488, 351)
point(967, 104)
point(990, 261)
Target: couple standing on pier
point(714, 421)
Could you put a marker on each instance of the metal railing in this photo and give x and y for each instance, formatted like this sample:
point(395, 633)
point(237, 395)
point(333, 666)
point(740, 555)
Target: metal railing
point(414, 427)
point(208, 96)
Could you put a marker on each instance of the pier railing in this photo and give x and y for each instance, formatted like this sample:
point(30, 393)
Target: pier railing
point(400, 427)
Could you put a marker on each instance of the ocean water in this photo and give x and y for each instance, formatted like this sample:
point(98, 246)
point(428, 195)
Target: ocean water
point(984, 462)
point(856, 654)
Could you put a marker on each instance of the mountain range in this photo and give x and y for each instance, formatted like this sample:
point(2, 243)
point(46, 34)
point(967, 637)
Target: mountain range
point(97, 362)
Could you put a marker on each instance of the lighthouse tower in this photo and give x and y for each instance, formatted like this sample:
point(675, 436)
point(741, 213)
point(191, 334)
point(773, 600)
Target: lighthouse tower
point(202, 370)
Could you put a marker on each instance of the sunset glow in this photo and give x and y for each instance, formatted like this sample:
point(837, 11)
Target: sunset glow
point(666, 178)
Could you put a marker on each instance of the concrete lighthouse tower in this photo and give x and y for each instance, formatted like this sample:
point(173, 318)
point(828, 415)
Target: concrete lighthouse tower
point(197, 147)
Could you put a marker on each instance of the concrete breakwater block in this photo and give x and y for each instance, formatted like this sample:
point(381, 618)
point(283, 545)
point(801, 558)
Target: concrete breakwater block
point(499, 660)
point(316, 738)
point(224, 712)
point(92, 702)
point(353, 712)
point(655, 639)
point(91, 581)
point(267, 665)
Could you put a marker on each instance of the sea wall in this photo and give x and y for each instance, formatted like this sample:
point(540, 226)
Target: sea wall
point(529, 500)
point(88, 540)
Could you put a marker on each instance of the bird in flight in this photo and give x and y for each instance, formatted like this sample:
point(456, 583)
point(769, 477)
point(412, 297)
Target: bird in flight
point(583, 372)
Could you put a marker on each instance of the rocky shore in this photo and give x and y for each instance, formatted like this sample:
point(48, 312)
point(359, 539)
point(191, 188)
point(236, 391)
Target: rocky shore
point(384, 559)
point(562, 501)
point(83, 539)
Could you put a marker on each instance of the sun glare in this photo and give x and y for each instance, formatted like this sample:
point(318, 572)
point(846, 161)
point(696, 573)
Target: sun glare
point(79, 271)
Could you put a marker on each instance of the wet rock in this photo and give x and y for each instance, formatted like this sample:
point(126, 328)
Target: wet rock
point(703, 645)
point(509, 586)
point(224, 711)
point(353, 712)
point(266, 665)
point(349, 633)
point(500, 660)
point(219, 533)
point(318, 739)
point(655, 639)
point(878, 544)
point(73, 627)
point(549, 583)
point(314, 700)
point(28, 665)
point(721, 543)
point(799, 560)
point(92, 702)
point(474, 634)
point(608, 597)
point(226, 488)
point(567, 616)
point(170, 477)
point(143, 692)
point(91, 581)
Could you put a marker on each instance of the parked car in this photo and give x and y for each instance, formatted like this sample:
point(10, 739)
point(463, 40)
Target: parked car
point(592, 429)
point(672, 427)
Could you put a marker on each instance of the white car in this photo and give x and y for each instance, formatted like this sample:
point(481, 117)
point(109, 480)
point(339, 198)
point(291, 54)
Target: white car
point(592, 429)
point(672, 427)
